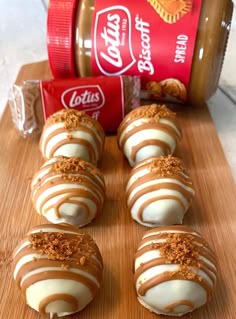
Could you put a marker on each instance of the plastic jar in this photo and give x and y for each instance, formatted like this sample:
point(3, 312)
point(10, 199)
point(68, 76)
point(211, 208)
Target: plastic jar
point(177, 50)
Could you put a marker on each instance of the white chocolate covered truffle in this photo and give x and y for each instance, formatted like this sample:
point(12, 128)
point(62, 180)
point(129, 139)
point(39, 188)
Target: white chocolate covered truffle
point(175, 270)
point(68, 190)
point(58, 269)
point(159, 191)
point(150, 130)
point(72, 133)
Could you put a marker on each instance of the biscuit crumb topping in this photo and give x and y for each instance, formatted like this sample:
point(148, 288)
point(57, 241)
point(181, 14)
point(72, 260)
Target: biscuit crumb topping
point(61, 246)
point(72, 165)
point(72, 119)
point(181, 249)
point(167, 166)
point(154, 112)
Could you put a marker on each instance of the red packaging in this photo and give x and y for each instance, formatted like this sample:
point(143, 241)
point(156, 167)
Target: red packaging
point(107, 99)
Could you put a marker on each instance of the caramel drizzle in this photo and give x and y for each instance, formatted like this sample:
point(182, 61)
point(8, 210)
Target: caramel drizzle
point(164, 127)
point(83, 120)
point(150, 176)
point(203, 260)
point(154, 126)
point(83, 128)
point(160, 186)
point(155, 199)
point(86, 144)
point(198, 241)
point(93, 249)
point(150, 142)
point(200, 247)
point(153, 177)
point(71, 300)
point(132, 199)
point(46, 174)
point(168, 129)
point(171, 306)
point(67, 199)
point(83, 180)
point(87, 259)
point(96, 188)
point(70, 193)
point(59, 274)
point(167, 276)
point(205, 267)
point(135, 115)
point(91, 266)
point(45, 262)
point(69, 231)
point(95, 191)
point(182, 228)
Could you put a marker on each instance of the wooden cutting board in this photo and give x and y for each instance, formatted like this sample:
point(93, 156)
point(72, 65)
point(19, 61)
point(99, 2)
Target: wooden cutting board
point(213, 214)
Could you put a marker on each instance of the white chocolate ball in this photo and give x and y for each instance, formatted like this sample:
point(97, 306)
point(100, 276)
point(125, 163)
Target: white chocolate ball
point(72, 133)
point(159, 191)
point(58, 269)
point(150, 130)
point(68, 190)
point(175, 270)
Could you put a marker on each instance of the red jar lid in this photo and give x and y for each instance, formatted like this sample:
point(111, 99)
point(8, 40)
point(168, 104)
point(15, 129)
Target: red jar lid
point(60, 37)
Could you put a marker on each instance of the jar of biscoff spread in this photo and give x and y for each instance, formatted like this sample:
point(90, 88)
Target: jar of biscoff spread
point(176, 46)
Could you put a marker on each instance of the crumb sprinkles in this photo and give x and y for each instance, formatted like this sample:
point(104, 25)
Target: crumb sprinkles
point(153, 111)
point(167, 166)
point(72, 119)
point(180, 249)
point(59, 246)
point(70, 136)
point(71, 165)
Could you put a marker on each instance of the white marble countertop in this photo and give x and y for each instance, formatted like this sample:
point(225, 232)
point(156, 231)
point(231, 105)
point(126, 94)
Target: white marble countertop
point(23, 40)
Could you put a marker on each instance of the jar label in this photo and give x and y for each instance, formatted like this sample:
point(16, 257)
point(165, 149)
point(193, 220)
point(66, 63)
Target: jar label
point(151, 38)
point(91, 95)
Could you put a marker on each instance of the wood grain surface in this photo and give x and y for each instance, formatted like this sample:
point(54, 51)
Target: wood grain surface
point(213, 214)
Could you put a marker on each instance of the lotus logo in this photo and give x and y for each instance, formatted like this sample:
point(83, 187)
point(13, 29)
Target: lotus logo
point(112, 40)
point(87, 98)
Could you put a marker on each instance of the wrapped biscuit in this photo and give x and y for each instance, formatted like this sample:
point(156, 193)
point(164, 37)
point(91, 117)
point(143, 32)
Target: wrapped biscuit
point(107, 99)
